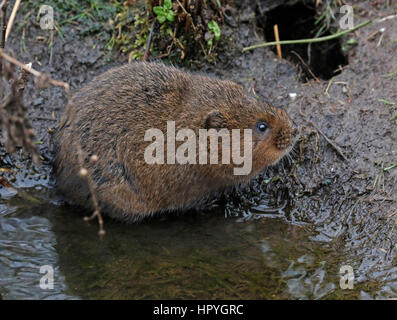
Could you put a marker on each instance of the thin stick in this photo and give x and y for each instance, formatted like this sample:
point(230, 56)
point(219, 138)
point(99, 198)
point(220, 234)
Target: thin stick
point(312, 40)
point(304, 63)
point(386, 18)
point(34, 72)
point(277, 37)
point(329, 86)
point(149, 42)
point(48, 79)
point(337, 149)
point(3, 27)
point(97, 213)
point(193, 25)
point(12, 17)
point(331, 143)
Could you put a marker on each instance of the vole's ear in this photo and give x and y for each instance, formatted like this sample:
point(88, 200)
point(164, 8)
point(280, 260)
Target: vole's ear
point(215, 120)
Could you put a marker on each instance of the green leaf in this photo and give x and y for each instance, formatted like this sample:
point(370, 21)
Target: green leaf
point(392, 166)
point(161, 19)
point(165, 12)
point(352, 42)
point(391, 74)
point(170, 16)
point(214, 28)
point(267, 181)
point(158, 11)
point(167, 4)
point(169, 32)
point(386, 102)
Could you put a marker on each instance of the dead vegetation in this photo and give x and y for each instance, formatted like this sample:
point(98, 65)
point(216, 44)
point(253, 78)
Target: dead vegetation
point(193, 28)
point(15, 125)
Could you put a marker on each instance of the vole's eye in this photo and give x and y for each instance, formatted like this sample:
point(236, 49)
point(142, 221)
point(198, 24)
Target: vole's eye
point(262, 126)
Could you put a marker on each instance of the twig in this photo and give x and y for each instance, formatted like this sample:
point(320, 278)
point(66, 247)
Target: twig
point(43, 80)
point(304, 63)
point(329, 86)
point(193, 25)
point(3, 25)
point(332, 82)
point(12, 17)
point(312, 40)
point(380, 40)
point(149, 42)
point(181, 46)
point(40, 76)
point(277, 37)
point(169, 48)
point(373, 34)
point(337, 149)
point(393, 214)
point(187, 13)
point(84, 173)
point(16, 127)
point(386, 18)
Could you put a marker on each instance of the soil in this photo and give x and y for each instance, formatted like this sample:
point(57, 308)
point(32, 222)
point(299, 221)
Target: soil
point(341, 186)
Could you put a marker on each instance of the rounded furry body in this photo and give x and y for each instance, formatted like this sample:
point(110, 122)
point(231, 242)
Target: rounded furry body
point(109, 116)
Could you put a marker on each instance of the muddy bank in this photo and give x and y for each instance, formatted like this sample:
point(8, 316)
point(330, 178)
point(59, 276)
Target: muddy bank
point(348, 203)
point(340, 202)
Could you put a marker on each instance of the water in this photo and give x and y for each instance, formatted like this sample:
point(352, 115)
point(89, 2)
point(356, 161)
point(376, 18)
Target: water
point(244, 250)
point(208, 256)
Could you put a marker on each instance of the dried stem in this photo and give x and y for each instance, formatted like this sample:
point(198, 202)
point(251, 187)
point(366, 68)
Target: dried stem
point(43, 79)
point(3, 23)
point(85, 173)
point(12, 18)
point(3, 26)
point(312, 40)
point(192, 23)
point(305, 64)
point(14, 123)
point(277, 37)
point(14, 100)
point(331, 143)
point(149, 42)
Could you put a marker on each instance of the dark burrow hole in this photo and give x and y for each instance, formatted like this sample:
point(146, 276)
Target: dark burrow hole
point(298, 21)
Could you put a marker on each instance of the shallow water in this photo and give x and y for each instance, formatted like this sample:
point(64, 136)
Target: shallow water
point(229, 253)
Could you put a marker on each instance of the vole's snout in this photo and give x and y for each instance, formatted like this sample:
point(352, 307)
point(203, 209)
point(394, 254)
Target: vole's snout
point(284, 138)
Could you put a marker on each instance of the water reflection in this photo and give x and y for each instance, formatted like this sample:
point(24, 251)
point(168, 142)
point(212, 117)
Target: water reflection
point(213, 255)
point(26, 244)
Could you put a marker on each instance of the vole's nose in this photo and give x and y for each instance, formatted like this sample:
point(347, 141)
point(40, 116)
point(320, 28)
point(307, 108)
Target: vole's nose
point(284, 138)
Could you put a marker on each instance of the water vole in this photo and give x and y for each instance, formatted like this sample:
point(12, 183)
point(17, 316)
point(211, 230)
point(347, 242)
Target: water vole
point(113, 113)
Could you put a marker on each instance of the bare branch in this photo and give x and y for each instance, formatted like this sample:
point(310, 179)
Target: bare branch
point(3, 18)
point(17, 128)
point(3, 25)
point(43, 80)
point(12, 17)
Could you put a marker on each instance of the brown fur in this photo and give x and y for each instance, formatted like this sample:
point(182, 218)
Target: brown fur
point(113, 112)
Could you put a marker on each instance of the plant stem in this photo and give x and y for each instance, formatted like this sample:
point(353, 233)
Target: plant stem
point(312, 40)
point(12, 17)
point(3, 27)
